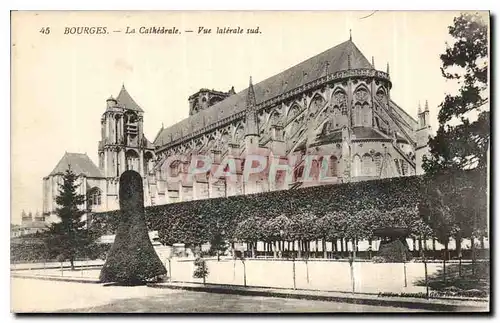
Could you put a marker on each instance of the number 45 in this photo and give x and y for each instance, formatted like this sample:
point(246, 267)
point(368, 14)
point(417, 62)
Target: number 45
point(45, 30)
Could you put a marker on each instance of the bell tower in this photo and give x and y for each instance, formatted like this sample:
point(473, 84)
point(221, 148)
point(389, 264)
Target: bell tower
point(123, 145)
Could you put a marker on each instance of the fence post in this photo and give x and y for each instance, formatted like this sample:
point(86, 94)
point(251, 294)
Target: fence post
point(170, 268)
point(404, 268)
point(244, 274)
point(204, 272)
point(351, 260)
point(426, 278)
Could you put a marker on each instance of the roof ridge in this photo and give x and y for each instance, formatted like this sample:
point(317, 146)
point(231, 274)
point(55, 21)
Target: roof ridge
point(80, 164)
point(268, 88)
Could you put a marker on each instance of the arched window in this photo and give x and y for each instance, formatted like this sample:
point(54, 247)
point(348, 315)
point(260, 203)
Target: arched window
point(366, 114)
point(356, 166)
point(340, 101)
point(94, 196)
point(317, 103)
point(148, 162)
point(132, 160)
point(381, 94)
point(367, 165)
point(315, 169)
point(175, 168)
point(378, 163)
point(356, 115)
point(332, 167)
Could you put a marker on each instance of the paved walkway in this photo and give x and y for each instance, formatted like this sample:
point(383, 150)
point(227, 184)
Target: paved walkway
point(91, 276)
point(67, 297)
point(333, 296)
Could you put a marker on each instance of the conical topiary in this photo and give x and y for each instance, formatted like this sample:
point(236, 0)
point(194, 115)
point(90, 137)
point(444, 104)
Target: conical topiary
point(132, 259)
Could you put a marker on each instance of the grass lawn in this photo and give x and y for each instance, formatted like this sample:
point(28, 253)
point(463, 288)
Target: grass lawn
point(466, 281)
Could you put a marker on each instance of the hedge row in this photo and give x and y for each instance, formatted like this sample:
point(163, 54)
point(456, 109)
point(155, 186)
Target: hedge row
point(368, 204)
point(36, 252)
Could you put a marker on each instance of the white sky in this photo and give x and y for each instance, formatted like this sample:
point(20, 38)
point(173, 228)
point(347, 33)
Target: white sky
point(60, 83)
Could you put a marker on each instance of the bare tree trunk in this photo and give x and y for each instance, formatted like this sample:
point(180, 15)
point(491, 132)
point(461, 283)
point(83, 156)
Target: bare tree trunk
point(426, 279)
point(299, 248)
point(370, 248)
point(444, 262)
point(244, 274)
point(473, 250)
point(341, 247)
point(458, 247)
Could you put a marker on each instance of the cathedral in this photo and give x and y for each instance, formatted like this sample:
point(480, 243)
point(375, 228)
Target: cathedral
point(336, 106)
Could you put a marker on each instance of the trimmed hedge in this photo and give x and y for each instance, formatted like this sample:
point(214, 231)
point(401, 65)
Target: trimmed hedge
point(132, 259)
point(195, 222)
point(36, 252)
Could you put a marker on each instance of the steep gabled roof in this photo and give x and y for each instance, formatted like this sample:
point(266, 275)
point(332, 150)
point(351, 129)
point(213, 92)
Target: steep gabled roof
point(330, 61)
point(80, 164)
point(126, 100)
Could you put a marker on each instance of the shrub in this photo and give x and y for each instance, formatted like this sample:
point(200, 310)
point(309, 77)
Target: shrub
point(201, 270)
point(378, 259)
point(394, 251)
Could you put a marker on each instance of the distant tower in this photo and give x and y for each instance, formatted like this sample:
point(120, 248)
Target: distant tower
point(423, 132)
point(123, 145)
point(251, 127)
point(26, 218)
point(205, 98)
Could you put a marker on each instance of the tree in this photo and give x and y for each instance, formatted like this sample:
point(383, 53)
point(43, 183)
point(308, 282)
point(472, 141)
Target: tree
point(69, 237)
point(276, 232)
point(461, 143)
point(218, 244)
point(454, 205)
point(250, 231)
point(303, 228)
point(201, 270)
point(328, 229)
